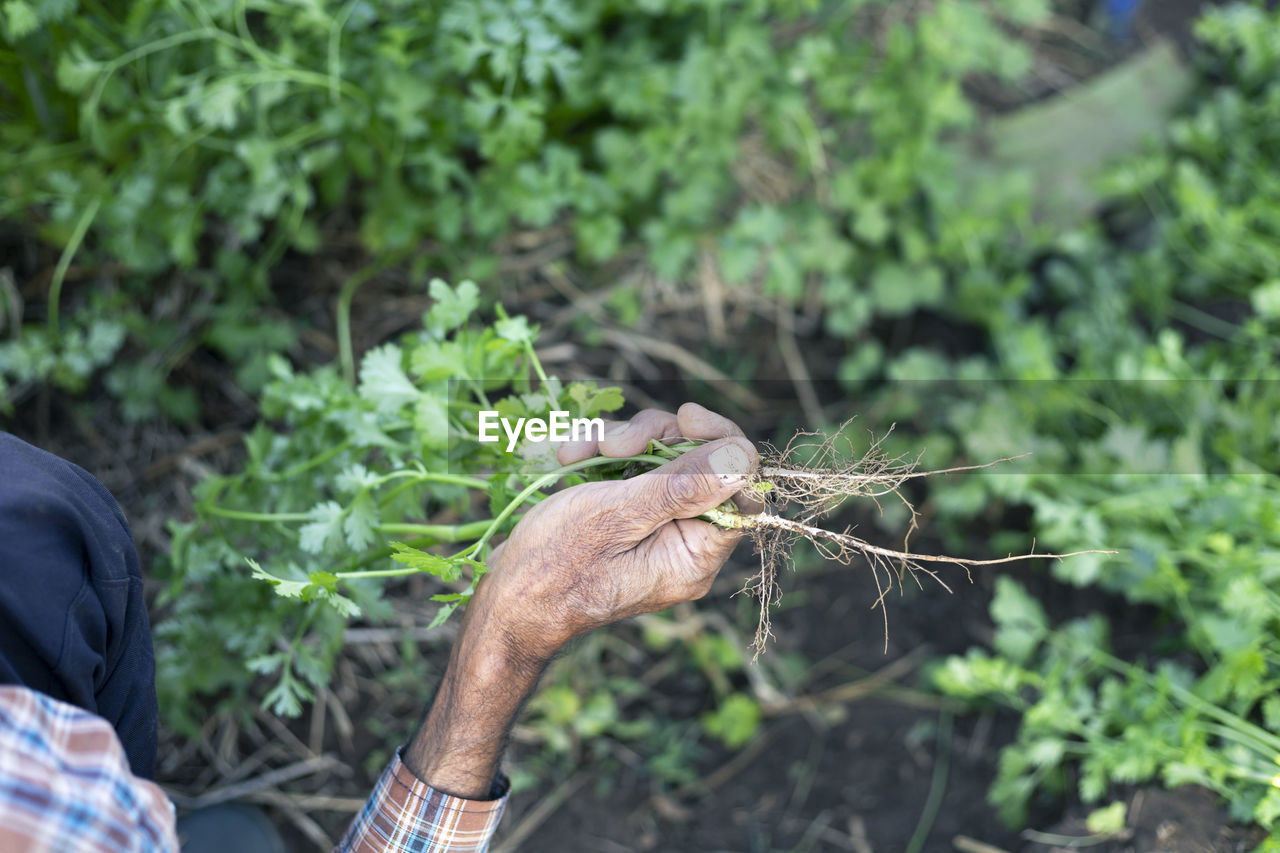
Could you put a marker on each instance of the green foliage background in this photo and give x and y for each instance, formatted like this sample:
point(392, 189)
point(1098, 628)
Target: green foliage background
point(200, 142)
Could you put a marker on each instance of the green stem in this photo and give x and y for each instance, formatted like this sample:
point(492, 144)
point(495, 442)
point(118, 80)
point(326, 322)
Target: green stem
point(378, 573)
point(211, 508)
point(542, 374)
point(64, 262)
point(440, 532)
point(430, 477)
point(335, 50)
point(1261, 737)
point(425, 477)
point(477, 388)
point(394, 493)
point(381, 554)
point(1203, 321)
point(246, 515)
point(346, 295)
point(303, 467)
point(937, 787)
point(659, 449)
point(1227, 732)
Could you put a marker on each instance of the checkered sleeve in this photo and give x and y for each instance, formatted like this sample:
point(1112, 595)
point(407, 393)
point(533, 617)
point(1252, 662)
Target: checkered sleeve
point(406, 815)
point(65, 783)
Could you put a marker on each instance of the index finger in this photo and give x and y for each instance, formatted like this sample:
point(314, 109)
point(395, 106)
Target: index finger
point(623, 438)
point(701, 423)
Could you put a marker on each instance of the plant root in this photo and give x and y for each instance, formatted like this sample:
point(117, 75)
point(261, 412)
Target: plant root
point(815, 474)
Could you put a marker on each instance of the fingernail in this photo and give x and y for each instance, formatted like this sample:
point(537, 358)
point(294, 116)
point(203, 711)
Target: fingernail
point(730, 463)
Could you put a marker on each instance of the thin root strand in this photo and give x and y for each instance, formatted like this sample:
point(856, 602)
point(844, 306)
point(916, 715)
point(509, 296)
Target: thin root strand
point(815, 473)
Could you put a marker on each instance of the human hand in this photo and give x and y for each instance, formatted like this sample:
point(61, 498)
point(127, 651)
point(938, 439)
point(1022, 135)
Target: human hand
point(582, 558)
point(600, 552)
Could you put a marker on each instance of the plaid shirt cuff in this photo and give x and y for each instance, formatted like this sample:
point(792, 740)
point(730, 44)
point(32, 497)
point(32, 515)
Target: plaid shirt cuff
point(406, 815)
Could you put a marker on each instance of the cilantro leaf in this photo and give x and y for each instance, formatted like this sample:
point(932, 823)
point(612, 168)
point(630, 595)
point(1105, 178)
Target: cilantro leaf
point(286, 698)
point(20, 19)
point(431, 422)
point(442, 615)
point(283, 587)
point(515, 329)
point(324, 528)
point(324, 587)
point(445, 568)
point(1021, 622)
point(353, 478)
point(592, 401)
point(453, 306)
point(362, 518)
point(435, 360)
point(383, 381)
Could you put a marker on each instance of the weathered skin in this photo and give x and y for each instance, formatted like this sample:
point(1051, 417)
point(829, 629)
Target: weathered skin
point(585, 557)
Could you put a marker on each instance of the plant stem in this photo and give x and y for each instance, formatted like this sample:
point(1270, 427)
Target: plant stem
point(345, 297)
point(423, 476)
point(64, 262)
point(440, 532)
point(378, 573)
point(1260, 736)
point(303, 467)
point(542, 374)
point(247, 515)
point(937, 787)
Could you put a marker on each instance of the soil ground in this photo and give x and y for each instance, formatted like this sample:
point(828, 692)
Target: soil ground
point(843, 776)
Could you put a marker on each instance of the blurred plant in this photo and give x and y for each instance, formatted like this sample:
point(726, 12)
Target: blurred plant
point(1155, 433)
point(212, 138)
point(1094, 720)
point(351, 479)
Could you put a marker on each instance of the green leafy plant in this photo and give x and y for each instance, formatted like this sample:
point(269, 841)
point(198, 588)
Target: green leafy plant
point(210, 139)
point(1094, 720)
point(1161, 445)
point(345, 492)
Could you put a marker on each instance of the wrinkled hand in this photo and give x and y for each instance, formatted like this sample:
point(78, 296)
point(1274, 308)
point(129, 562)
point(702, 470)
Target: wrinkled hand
point(582, 558)
point(600, 552)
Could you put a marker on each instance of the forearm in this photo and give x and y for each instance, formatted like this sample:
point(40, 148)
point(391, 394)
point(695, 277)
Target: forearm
point(439, 794)
point(459, 745)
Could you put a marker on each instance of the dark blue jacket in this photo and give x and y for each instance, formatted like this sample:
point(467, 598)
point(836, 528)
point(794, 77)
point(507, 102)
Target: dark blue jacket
point(73, 623)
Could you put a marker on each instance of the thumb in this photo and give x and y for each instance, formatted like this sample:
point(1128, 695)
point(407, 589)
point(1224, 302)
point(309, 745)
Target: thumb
point(701, 479)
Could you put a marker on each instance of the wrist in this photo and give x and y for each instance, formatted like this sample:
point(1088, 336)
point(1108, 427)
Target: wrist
point(490, 673)
point(514, 630)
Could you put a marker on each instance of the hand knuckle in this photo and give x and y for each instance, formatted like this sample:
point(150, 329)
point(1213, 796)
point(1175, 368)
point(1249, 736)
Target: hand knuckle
point(680, 488)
